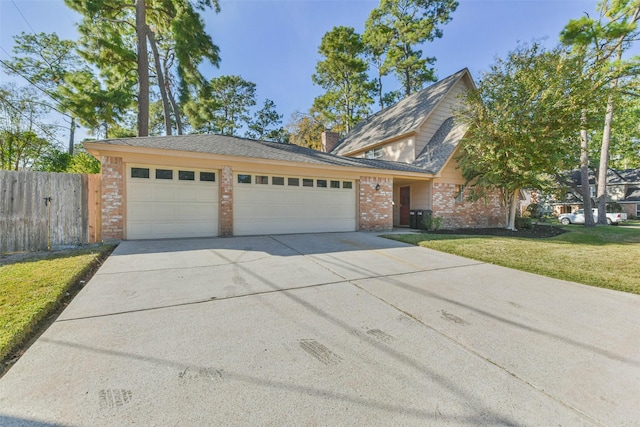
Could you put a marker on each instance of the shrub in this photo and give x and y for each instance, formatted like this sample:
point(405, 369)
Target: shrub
point(523, 223)
point(432, 223)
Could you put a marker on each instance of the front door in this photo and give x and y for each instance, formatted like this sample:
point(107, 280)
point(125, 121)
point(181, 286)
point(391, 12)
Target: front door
point(405, 205)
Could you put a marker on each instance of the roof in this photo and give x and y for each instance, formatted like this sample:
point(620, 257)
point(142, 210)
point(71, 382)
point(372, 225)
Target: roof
point(250, 148)
point(632, 195)
point(435, 154)
point(614, 177)
point(402, 118)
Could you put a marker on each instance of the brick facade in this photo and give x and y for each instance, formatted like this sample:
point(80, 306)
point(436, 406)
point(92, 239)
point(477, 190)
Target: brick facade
point(486, 212)
point(112, 199)
point(226, 201)
point(376, 207)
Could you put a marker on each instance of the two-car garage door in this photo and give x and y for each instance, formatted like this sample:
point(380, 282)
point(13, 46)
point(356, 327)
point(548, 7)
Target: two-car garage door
point(271, 204)
point(165, 202)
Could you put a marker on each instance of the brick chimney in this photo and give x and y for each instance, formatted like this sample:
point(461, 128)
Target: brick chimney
point(329, 140)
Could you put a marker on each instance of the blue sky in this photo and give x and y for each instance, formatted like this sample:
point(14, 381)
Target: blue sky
point(274, 43)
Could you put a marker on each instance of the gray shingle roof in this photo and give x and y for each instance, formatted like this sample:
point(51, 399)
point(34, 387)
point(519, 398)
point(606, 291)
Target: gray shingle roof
point(436, 153)
point(614, 177)
point(401, 118)
point(241, 147)
point(632, 195)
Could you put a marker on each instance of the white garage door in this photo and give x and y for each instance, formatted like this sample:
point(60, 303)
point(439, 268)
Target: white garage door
point(292, 204)
point(164, 202)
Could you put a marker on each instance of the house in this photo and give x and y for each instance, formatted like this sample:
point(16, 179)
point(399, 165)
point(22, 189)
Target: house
point(623, 187)
point(399, 159)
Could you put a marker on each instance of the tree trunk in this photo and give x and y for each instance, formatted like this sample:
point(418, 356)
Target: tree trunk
point(604, 160)
point(172, 99)
point(161, 85)
point(513, 207)
point(584, 171)
point(72, 132)
point(143, 69)
point(380, 90)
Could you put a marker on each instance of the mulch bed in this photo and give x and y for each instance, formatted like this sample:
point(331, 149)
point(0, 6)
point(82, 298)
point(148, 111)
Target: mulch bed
point(537, 232)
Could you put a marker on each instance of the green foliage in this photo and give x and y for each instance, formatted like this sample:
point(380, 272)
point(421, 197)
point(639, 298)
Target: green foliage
point(614, 207)
point(343, 74)
point(523, 122)
point(524, 223)
point(23, 134)
point(227, 109)
point(306, 129)
point(108, 41)
point(54, 160)
point(396, 28)
point(432, 223)
point(266, 124)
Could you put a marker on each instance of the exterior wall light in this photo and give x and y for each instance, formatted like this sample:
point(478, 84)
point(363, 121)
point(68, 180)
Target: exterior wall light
point(377, 187)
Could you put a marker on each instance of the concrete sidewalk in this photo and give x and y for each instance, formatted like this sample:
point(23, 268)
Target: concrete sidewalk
point(330, 329)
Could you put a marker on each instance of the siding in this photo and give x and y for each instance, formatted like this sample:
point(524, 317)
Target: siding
point(400, 151)
point(450, 173)
point(443, 111)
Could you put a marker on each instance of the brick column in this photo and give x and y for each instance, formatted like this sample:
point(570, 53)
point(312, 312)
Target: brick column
point(226, 201)
point(376, 208)
point(112, 192)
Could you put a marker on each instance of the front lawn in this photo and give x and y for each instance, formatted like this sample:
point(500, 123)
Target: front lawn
point(603, 256)
point(32, 289)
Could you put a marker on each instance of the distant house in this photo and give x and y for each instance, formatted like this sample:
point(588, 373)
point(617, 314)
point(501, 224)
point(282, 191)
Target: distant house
point(398, 160)
point(623, 187)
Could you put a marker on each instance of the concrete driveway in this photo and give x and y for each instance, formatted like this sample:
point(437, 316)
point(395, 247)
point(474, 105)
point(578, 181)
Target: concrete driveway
point(327, 329)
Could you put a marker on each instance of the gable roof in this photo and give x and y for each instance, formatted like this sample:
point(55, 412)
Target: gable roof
point(250, 148)
point(435, 154)
point(402, 118)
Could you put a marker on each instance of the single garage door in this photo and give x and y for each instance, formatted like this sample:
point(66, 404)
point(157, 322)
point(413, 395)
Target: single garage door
point(164, 202)
point(269, 204)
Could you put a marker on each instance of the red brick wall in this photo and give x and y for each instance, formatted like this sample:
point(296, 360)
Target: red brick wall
point(376, 208)
point(486, 212)
point(112, 199)
point(226, 201)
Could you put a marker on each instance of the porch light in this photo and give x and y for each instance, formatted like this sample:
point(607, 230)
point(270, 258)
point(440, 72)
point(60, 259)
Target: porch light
point(377, 187)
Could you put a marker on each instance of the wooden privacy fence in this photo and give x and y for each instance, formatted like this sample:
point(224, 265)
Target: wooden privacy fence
point(42, 210)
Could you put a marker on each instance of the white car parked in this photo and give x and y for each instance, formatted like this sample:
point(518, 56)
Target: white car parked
point(577, 217)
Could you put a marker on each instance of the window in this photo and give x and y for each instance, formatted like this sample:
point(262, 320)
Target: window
point(244, 179)
point(139, 172)
point(186, 175)
point(459, 193)
point(306, 182)
point(347, 184)
point(293, 182)
point(374, 153)
point(208, 176)
point(638, 210)
point(321, 183)
point(277, 180)
point(592, 190)
point(335, 184)
point(164, 174)
point(260, 179)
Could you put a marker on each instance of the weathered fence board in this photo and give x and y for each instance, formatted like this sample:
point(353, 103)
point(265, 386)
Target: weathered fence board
point(40, 210)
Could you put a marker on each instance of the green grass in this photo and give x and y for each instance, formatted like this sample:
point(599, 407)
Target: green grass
point(604, 256)
point(32, 289)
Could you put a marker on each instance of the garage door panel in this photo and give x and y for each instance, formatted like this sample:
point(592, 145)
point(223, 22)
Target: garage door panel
point(269, 209)
point(158, 208)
